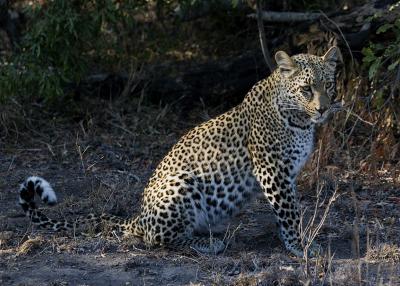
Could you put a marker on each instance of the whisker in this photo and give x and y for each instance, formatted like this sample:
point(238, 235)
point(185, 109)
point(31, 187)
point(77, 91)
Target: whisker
point(290, 106)
point(288, 103)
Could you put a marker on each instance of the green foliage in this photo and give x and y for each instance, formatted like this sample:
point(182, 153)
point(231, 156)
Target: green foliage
point(60, 42)
point(379, 55)
point(382, 58)
point(64, 40)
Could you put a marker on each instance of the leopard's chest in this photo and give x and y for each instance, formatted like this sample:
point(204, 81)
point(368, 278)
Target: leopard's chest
point(298, 150)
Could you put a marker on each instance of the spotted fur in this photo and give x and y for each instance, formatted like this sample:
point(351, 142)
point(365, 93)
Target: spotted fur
point(217, 167)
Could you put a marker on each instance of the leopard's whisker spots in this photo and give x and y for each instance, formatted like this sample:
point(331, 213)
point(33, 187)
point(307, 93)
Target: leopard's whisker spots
point(290, 105)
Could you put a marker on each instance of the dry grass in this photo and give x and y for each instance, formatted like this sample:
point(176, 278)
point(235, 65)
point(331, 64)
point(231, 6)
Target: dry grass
point(383, 252)
point(5, 237)
point(31, 245)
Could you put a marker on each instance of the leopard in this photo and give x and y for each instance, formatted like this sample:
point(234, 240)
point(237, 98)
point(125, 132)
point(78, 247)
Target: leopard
point(214, 171)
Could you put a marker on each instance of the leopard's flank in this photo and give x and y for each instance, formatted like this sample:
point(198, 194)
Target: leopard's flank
point(217, 167)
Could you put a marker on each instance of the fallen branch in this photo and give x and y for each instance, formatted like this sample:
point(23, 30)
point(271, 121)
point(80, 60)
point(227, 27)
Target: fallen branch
point(283, 17)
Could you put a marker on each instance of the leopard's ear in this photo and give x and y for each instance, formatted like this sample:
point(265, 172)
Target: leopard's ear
point(332, 57)
point(286, 65)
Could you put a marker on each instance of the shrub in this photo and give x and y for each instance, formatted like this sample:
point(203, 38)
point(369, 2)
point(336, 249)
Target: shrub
point(61, 40)
point(382, 60)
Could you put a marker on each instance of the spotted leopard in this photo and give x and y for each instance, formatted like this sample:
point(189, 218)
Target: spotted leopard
point(217, 167)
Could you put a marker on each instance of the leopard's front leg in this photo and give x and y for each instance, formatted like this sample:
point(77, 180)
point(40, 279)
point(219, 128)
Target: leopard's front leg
point(280, 191)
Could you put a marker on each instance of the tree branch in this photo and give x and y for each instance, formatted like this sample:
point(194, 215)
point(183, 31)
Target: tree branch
point(263, 40)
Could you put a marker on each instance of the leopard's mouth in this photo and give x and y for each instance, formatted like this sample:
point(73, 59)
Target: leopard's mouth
point(319, 118)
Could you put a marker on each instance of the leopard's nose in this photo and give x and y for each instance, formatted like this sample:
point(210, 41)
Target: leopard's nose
point(321, 110)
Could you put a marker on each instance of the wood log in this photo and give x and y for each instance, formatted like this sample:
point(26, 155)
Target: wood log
point(284, 17)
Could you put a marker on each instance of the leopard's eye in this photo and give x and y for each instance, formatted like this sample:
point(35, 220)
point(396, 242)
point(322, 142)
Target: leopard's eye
point(306, 88)
point(328, 85)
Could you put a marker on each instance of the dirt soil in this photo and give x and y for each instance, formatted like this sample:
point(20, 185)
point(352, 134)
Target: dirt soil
point(100, 163)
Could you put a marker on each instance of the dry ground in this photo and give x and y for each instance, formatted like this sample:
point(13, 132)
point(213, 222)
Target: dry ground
point(101, 161)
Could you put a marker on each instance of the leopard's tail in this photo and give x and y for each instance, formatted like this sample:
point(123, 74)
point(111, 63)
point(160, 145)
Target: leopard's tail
point(40, 187)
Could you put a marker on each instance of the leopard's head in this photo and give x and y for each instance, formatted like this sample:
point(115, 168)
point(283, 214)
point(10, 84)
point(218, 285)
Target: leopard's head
point(308, 84)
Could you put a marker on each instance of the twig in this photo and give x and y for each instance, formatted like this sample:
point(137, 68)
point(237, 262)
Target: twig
point(12, 162)
point(341, 34)
point(356, 233)
point(81, 153)
point(229, 236)
point(349, 112)
point(305, 232)
point(132, 80)
point(359, 118)
point(311, 230)
point(122, 128)
point(263, 40)
point(396, 83)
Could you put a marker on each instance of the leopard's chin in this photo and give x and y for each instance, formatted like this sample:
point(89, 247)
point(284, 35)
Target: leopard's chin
point(320, 118)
